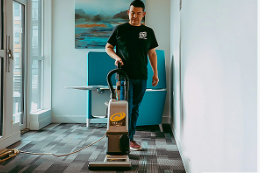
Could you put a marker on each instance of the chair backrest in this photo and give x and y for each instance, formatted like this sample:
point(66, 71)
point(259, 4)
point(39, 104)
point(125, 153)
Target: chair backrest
point(100, 63)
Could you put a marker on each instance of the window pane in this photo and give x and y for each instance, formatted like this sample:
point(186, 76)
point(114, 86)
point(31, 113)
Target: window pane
point(35, 4)
point(17, 60)
point(35, 41)
point(17, 32)
point(16, 9)
point(36, 28)
point(18, 77)
point(36, 52)
point(36, 90)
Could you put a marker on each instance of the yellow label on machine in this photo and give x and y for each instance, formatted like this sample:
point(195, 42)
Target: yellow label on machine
point(117, 116)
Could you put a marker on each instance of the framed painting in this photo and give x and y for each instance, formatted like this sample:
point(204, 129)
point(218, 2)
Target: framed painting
point(95, 20)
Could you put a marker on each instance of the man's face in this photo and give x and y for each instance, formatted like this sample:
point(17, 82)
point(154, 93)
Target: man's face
point(136, 15)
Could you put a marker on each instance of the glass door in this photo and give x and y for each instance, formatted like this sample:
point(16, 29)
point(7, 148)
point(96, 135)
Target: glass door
point(2, 55)
point(19, 63)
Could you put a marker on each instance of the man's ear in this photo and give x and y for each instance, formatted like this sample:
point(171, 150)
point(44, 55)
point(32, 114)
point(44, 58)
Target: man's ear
point(128, 12)
point(144, 14)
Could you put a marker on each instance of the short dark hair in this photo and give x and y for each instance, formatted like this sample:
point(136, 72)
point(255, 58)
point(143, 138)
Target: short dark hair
point(137, 3)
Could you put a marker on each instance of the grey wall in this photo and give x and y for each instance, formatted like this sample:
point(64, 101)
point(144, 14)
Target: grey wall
point(215, 119)
point(69, 65)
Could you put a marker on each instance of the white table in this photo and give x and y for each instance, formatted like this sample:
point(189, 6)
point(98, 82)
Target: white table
point(89, 117)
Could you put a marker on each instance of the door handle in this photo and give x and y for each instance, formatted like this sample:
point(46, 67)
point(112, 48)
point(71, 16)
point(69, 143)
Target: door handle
point(9, 55)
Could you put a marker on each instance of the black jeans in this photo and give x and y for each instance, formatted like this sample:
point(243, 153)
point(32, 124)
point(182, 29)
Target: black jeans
point(136, 92)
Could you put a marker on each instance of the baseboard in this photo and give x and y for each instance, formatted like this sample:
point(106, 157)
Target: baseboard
point(40, 119)
point(178, 143)
point(7, 141)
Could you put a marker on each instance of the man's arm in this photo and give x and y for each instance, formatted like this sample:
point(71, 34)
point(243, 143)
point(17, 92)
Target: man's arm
point(153, 61)
point(110, 51)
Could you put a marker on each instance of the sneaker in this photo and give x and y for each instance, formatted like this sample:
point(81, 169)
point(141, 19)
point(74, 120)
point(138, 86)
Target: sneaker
point(134, 146)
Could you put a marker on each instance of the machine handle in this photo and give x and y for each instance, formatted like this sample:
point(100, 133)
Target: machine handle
point(126, 83)
point(119, 65)
point(117, 75)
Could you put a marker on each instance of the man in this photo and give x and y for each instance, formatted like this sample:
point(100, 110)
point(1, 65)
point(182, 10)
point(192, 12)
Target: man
point(134, 41)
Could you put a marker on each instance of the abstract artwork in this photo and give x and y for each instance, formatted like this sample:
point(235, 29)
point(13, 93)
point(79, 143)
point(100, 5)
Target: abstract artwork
point(95, 20)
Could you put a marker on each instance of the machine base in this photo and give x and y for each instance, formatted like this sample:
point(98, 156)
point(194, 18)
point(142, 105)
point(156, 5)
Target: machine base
point(112, 162)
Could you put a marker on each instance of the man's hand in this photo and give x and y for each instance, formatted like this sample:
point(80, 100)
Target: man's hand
point(119, 60)
point(155, 80)
point(110, 51)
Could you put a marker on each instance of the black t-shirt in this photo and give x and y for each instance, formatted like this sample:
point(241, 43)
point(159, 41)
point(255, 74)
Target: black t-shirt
point(132, 46)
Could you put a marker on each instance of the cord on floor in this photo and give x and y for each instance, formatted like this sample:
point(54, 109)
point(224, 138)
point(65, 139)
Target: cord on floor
point(9, 153)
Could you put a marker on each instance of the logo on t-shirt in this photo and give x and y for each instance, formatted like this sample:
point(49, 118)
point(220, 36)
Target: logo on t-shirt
point(142, 35)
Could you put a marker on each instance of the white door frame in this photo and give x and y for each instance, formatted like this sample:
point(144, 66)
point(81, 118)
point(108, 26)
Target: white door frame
point(2, 65)
point(11, 132)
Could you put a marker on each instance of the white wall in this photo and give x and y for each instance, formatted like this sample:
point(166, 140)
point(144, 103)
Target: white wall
point(158, 18)
point(175, 63)
point(69, 65)
point(219, 77)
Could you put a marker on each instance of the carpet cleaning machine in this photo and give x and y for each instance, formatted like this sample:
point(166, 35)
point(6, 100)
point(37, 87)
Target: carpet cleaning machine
point(117, 127)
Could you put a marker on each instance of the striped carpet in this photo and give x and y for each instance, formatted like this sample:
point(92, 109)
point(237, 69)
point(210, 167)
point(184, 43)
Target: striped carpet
point(159, 154)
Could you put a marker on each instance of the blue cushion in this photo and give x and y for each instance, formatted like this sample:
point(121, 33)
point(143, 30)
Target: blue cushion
point(151, 109)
